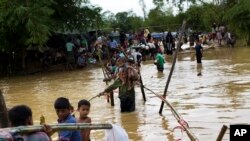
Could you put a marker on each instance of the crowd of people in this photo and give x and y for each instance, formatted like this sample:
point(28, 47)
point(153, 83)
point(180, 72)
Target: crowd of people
point(79, 51)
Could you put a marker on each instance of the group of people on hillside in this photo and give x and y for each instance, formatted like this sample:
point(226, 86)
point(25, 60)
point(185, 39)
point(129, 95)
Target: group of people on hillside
point(21, 115)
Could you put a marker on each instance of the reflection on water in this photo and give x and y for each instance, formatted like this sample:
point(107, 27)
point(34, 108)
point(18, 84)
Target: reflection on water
point(199, 69)
point(220, 96)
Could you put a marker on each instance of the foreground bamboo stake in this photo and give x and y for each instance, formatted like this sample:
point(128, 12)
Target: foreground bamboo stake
point(222, 132)
point(58, 127)
point(177, 116)
point(173, 65)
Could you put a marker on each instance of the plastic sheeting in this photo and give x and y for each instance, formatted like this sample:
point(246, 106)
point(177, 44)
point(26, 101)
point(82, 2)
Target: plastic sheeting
point(117, 133)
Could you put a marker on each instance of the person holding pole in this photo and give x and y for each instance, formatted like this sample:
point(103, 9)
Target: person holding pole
point(126, 75)
point(21, 115)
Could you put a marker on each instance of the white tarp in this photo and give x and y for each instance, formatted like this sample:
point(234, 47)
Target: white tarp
point(117, 133)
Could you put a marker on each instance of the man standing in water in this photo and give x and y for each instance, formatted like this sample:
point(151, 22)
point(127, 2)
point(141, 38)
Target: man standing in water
point(199, 51)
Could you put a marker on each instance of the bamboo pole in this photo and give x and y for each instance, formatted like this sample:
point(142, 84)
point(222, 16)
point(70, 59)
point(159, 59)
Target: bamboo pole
point(108, 53)
point(177, 116)
point(4, 122)
point(173, 65)
point(58, 127)
point(105, 77)
point(142, 88)
point(112, 98)
point(222, 132)
point(102, 65)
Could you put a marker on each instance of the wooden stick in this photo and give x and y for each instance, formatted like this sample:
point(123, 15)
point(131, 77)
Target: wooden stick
point(173, 65)
point(222, 132)
point(142, 88)
point(4, 122)
point(108, 53)
point(112, 98)
point(102, 65)
point(104, 73)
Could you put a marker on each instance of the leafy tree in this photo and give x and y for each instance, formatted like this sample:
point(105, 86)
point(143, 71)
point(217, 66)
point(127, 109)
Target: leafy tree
point(77, 14)
point(135, 23)
point(161, 19)
point(211, 14)
point(24, 23)
point(238, 17)
point(30, 22)
point(128, 21)
point(158, 3)
point(201, 17)
point(194, 17)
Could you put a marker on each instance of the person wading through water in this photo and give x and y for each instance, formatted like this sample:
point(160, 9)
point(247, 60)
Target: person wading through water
point(199, 51)
point(127, 75)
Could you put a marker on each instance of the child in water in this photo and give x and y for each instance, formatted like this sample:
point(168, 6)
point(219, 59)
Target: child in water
point(83, 109)
point(159, 62)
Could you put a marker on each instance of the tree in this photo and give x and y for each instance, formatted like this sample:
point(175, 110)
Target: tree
point(161, 19)
point(26, 23)
point(238, 17)
point(128, 21)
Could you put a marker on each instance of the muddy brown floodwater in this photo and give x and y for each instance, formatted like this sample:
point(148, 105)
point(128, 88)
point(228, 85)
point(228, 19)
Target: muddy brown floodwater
point(220, 96)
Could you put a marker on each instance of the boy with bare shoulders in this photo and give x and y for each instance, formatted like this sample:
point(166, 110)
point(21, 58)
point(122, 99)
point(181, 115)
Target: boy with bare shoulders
point(83, 109)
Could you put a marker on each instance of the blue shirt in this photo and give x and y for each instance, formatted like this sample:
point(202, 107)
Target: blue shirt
point(113, 44)
point(198, 49)
point(38, 136)
point(69, 135)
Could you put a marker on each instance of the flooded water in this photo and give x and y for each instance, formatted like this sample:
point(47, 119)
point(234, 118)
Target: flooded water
point(220, 96)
